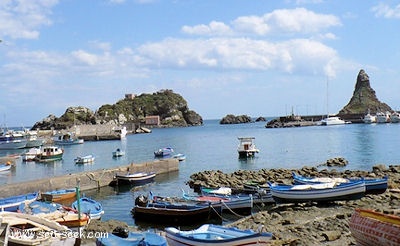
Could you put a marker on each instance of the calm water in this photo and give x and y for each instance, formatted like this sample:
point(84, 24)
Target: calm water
point(212, 147)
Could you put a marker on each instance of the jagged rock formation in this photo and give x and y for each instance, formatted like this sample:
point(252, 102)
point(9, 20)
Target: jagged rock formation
point(232, 119)
point(364, 98)
point(169, 106)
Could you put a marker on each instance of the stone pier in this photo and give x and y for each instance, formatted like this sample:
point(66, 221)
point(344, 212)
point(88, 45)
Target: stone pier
point(87, 180)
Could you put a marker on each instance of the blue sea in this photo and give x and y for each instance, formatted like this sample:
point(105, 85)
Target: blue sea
point(214, 147)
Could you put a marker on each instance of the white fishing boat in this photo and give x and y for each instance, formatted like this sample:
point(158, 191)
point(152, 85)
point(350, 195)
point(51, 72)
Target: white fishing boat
point(67, 139)
point(369, 118)
point(50, 153)
point(246, 147)
point(84, 159)
point(333, 120)
point(382, 117)
point(395, 117)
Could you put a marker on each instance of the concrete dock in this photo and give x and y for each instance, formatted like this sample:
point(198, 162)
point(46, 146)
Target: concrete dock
point(87, 180)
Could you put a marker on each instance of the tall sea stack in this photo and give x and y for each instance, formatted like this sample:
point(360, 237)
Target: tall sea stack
point(364, 98)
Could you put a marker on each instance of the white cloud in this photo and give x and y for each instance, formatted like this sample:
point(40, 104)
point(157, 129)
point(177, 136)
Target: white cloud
point(85, 57)
point(292, 21)
point(386, 11)
point(299, 20)
point(22, 19)
point(215, 28)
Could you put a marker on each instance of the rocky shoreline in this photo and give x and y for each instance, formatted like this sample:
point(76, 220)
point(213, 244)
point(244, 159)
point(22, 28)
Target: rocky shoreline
point(299, 224)
point(307, 223)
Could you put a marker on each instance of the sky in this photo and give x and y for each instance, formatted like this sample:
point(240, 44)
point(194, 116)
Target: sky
point(258, 58)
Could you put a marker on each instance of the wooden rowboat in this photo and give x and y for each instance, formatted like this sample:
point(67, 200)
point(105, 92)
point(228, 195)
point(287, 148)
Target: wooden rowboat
point(210, 235)
point(373, 228)
point(59, 195)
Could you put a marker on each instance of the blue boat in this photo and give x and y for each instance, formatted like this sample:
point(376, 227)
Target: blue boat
point(132, 239)
point(89, 206)
point(12, 203)
point(324, 192)
point(175, 212)
point(211, 235)
point(167, 151)
point(372, 185)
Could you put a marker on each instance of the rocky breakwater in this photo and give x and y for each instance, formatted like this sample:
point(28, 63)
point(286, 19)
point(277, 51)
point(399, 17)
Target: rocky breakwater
point(306, 223)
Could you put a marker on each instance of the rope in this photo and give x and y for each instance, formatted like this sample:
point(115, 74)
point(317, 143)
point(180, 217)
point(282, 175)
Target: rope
point(240, 216)
point(219, 215)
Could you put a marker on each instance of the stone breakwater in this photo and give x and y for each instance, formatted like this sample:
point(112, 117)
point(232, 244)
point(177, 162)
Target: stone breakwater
point(306, 223)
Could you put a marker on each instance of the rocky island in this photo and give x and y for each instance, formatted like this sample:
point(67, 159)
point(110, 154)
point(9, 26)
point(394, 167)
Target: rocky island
point(160, 109)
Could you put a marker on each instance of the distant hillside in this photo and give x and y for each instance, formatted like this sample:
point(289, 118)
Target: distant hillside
point(171, 107)
point(364, 98)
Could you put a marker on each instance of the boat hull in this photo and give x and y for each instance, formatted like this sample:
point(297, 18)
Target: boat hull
point(59, 195)
point(215, 235)
point(373, 228)
point(88, 206)
point(11, 204)
point(145, 238)
point(372, 185)
point(348, 191)
point(172, 213)
point(135, 179)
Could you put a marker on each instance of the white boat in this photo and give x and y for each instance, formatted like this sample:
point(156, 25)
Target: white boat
point(8, 141)
point(4, 167)
point(369, 118)
point(382, 117)
point(118, 152)
point(84, 159)
point(246, 147)
point(31, 154)
point(395, 117)
point(333, 120)
point(323, 192)
point(26, 229)
point(138, 178)
point(67, 139)
point(179, 157)
point(209, 234)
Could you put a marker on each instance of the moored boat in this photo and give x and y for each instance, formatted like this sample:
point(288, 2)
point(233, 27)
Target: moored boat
point(59, 195)
point(31, 154)
point(372, 185)
point(211, 235)
point(50, 153)
point(228, 203)
point(373, 228)
point(4, 167)
point(63, 215)
point(164, 152)
point(137, 178)
point(246, 147)
point(67, 139)
point(118, 153)
point(179, 157)
point(84, 159)
point(382, 117)
point(12, 203)
point(132, 239)
point(26, 229)
point(324, 192)
point(171, 212)
point(89, 206)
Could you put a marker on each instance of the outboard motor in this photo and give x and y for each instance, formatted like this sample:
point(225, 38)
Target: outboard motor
point(120, 232)
point(141, 201)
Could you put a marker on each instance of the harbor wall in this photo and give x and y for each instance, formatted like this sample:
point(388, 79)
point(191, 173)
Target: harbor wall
point(87, 180)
